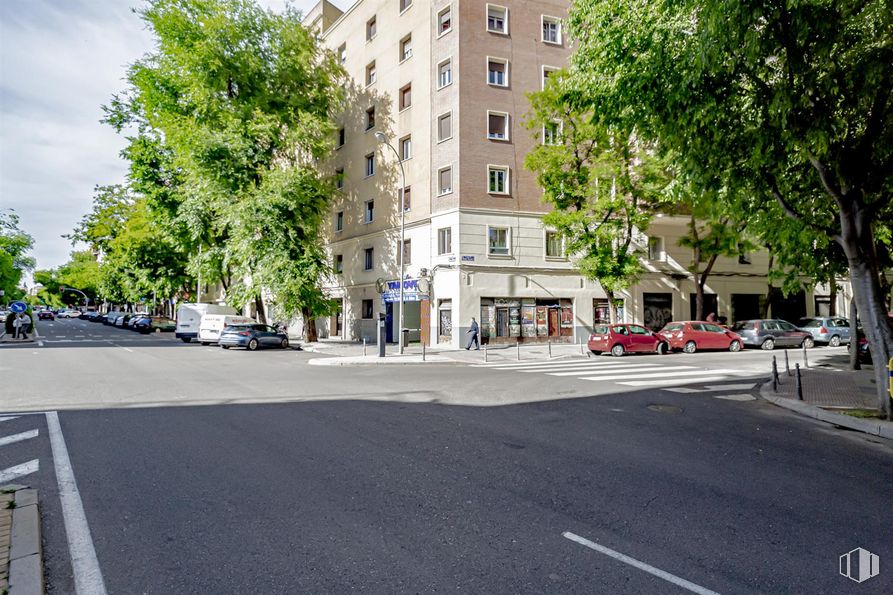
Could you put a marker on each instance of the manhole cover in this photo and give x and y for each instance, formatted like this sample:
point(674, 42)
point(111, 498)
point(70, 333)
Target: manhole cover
point(665, 408)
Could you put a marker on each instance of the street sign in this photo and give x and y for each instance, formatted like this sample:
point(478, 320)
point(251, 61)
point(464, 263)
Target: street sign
point(18, 307)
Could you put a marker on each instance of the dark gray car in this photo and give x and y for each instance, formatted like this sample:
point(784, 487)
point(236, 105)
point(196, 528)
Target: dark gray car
point(830, 330)
point(769, 333)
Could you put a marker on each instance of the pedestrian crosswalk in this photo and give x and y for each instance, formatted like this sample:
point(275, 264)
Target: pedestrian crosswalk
point(655, 372)
point(11, 433)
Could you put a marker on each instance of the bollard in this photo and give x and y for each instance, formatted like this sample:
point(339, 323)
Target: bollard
point(423, 351)
point(581, 347)
point(799, 383)
point(774, 375)
point(485, 354)
point(805, 361)
point(550, 348)
point(518, 345)
point(364, 346)
point(787, 366)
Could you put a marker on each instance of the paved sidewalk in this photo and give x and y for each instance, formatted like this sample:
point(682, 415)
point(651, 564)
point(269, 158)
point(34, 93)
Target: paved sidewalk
point(21, 558)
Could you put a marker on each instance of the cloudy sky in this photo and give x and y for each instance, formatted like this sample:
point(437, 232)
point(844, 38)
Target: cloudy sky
point(60, 61)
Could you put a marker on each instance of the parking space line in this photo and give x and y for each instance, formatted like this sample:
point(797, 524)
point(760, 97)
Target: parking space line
point(671, 578)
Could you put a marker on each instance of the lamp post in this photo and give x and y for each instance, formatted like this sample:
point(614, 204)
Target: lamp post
point(382, 139)
point(86, 299)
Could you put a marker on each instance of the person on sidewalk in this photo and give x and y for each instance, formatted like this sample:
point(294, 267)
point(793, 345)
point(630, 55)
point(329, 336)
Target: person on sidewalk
point(26, 325)
point(16, 325)
point(473, 331)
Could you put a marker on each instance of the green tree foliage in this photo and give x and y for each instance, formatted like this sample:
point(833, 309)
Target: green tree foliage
point(790, 101)
point(602, 182)
point(82, 272)
point(243, 99)
point(14, 260)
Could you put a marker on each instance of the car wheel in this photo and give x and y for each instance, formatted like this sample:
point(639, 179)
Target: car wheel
point(808, 342)
point(768, 344)
point(225, 346)
point(663, 348)
point(617, 350)
point(284, 343)
point(834, 341)
point(186, 339)
point(735, 346)
point(205, 343)
point(252, 344)
point(690, 347)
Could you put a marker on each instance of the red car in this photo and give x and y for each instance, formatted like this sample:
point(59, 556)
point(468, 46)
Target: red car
point(626, 338)
point(689, 336)
point(46, 315)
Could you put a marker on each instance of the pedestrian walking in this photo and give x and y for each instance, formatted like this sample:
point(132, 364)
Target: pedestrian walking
point(26, 324)
point(473, 331)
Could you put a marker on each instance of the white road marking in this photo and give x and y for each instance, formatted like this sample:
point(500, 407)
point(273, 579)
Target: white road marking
point(633, 370)
point(661, 374)
point(671, 578)
point(8, 417)
point(18, 437)
point(40, 343)
point(87, 575)
point(672, 381)
point(743, 397)
point(13, 473)
point(589, 367)
point(685, 390)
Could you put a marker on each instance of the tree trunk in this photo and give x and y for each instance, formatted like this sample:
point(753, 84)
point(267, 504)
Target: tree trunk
point(770, 291)
point(259, 305)
point(854, 337)
point(612, 308)
point(832, 290)
point(310, 335)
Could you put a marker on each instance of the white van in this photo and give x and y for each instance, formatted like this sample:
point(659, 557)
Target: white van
point(189, 317)
point(212, 325)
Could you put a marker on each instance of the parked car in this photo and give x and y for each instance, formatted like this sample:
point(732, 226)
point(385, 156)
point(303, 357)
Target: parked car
point(252, 336)
point(690, 336)
point(112, 316)
point(149, 324)
point(103, 318)
point(46, 315)
point(830, 330)
point(68, 313)
point(133, 318)
point(626, 338)
point(771, 333)
point(189, 318)
point(212, 325)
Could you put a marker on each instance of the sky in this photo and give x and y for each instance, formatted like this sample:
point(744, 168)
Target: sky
point(60, 61)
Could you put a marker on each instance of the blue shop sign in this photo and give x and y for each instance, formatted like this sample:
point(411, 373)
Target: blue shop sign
point(411, 291)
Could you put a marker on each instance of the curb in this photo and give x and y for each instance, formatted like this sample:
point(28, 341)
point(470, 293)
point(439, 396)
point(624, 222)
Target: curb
point(875, 428)
point(25, 574)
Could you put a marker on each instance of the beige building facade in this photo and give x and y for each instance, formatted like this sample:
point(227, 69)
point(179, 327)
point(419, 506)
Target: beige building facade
point(446, 83)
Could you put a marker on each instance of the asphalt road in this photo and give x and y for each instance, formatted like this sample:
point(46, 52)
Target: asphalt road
point(430, 478)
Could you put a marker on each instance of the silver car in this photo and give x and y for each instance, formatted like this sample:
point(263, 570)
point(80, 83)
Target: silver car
point(830, 330)
point(767, 334)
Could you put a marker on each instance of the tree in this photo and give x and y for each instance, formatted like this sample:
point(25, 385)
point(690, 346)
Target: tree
point(14, 260)
point(791, 101)
point(243, 99)
point(602, 183)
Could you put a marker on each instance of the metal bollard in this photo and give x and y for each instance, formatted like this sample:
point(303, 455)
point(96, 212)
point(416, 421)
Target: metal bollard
point(550, 348)
point(787, 366)
point(485, 353)
point(799, 383)
point(364, 346)
point(423, 351)
point(518, 345)
point(774, 374)
point(582, 351)
point(805, 360)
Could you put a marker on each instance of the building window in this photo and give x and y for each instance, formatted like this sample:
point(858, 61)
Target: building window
point(498, 179)
point(554, 245)
point(655, 248)
point(407, 251)
point(547, 72)
point(445, 240)
point(404, 4)
point(497, 125)
point(339, 178)
point(368, 260)
point(366, 310)
point(371, 29)
point(405, 97)
point(342, 53)
point(370, 118)
point(339, 221)
point(497, 72)
point(551, 133)
point(551, 30)
point(445, 181)
point(497, 19)
point(370, 73)
point(341, 137)
point(444, 126)
point(339, 264)
point(444, 73)
point(370, 164)
point(444, 21)
point(498, 241)
point(406, 48)
point(407, 198)
point(406, 148)
point(368, 211)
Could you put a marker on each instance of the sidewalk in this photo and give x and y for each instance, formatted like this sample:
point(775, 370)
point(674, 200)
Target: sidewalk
point(350, 353)
point(827, 392)
point(21, 562)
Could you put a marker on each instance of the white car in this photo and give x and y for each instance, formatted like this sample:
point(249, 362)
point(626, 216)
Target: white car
point(68, 314)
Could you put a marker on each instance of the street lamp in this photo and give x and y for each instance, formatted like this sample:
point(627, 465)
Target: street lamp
point(63, 288)
point(383, 139)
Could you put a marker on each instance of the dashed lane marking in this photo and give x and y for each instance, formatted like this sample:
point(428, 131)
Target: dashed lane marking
point(741, 397)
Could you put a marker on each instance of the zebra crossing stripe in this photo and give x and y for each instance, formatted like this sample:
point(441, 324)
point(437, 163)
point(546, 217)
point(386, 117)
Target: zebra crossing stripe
point(559, 368)
point(662, 375)
point(13, 473)
point(570, 365)
point(18, 437)
point(625, 370)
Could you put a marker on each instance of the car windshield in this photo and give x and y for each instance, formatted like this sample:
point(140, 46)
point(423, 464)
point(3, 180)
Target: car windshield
point(599, 330)
point(673, 326)
point(810, 323)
